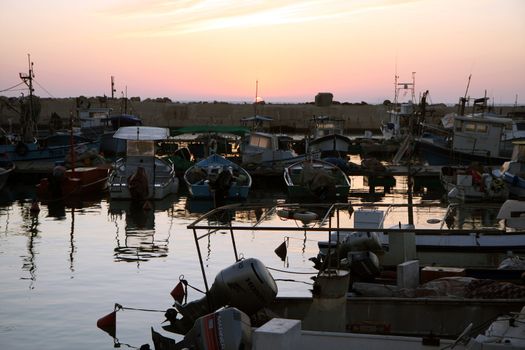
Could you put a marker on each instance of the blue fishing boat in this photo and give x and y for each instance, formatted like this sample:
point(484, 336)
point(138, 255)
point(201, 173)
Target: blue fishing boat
point(218, 176)
point(51, 148)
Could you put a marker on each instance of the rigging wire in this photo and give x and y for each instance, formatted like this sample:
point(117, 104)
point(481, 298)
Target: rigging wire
point(43, 88)
point(12, 87)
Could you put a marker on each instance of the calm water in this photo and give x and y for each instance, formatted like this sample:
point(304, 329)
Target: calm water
point(65, 267)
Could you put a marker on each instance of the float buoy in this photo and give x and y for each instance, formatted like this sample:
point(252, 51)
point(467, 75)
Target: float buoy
point(302, 215)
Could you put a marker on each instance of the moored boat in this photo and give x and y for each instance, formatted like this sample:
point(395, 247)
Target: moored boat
point(472, 184)
point(218, 176)
point(243, 309)
point(81, 181)
point(141, 175)
point(327, 137)
point(316, 179)
point(6, 168)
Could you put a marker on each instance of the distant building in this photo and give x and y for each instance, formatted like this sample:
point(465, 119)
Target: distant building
point(324, 99)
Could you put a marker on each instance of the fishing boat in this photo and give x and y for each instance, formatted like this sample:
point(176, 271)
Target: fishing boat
point(396, 127)
point(264, 153)
point(26, 145)
point(216, 175)
point(316, 179)
point(439, 246)
point(463, 139)
point(513, 171)
point(6, 168)
point(327, 137)
point(141, 175)
point(472, 184)
point(76, 182)
point(242, 309)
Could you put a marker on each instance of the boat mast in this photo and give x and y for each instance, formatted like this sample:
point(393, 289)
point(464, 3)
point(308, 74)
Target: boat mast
point(256, 94)
point(27, 121)
point(463, 101)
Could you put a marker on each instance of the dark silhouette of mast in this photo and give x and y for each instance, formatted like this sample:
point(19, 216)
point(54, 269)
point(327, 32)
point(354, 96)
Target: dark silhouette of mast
point(28, 120)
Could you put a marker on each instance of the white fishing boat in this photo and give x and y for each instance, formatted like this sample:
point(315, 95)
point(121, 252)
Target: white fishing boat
point(327, 137)
point(465, 138)
point(141, 175)
point(217, 175)
point(472, 184)
point(513, 171)
point(441, 246)
point(242, 308)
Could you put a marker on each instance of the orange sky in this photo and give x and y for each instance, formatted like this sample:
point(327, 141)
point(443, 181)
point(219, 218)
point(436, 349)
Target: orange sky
point(217, 50)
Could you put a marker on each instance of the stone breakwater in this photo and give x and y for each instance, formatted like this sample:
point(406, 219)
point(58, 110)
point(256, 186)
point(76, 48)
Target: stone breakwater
point(162, 112)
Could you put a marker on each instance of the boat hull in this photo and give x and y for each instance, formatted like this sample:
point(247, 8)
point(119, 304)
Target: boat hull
point(217, 175)
point(435, 154)
point(316, 179)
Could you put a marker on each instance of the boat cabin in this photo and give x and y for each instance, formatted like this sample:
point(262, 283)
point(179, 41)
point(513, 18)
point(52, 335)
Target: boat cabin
point(480, 135)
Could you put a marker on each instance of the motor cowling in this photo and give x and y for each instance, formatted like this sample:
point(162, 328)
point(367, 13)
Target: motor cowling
point(225, 329)
point(246, 285)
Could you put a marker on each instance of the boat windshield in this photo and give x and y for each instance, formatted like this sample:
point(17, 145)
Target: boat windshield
point(140, 148)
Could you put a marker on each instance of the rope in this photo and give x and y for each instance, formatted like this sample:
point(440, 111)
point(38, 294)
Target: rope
point(186, 285)
point(301, 239)
point(120, 307)
point(295, 272)
point(290, 280)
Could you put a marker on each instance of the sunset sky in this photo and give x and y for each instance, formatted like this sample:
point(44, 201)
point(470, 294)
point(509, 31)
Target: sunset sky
point(216, 50)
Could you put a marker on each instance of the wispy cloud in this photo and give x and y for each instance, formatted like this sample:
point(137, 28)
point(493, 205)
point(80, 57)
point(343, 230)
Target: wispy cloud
point(167, 18)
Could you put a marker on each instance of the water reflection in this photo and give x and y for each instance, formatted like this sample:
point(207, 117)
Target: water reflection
point(139, 242)
point(30, 225)
point(473, 216)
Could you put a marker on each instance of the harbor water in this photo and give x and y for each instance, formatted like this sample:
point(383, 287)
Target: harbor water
point(66, 266)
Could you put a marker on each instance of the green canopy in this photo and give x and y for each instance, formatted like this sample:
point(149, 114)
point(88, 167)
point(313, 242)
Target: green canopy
point(206, 129)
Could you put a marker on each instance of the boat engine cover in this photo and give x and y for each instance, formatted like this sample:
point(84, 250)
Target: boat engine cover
point(247, 285)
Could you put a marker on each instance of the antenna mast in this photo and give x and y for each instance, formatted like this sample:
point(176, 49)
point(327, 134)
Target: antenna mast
point(256, 94)
point(112, 87)
point(27, 121)
point(463, 101)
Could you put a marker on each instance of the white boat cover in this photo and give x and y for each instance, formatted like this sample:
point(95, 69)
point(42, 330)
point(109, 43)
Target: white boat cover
point(143, 133)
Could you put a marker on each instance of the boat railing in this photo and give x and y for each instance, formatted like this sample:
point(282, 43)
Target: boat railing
point(208, 222)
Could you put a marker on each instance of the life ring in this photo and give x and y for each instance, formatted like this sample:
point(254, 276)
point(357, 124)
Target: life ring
point(21, 149)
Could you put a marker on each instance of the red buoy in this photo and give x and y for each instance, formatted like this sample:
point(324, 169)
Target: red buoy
point(108, 323)
point(178, 292)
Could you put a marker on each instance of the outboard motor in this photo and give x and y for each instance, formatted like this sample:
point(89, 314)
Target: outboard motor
point(246, 285)
point(225, 329)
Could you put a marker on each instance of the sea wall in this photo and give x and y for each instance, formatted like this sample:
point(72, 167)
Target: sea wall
point(162, 112)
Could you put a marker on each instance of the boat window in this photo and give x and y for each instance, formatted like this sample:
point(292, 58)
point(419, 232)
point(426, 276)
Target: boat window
point(140, 148)
point(520, 126)
point(469, 127)
point(482, 127)
point(260, 141)
point(458, 124)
